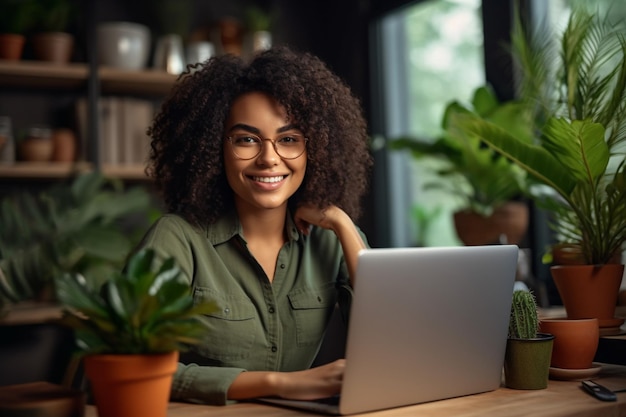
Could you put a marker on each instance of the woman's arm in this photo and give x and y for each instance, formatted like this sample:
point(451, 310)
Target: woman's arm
point(319, 382)
point(337, 220)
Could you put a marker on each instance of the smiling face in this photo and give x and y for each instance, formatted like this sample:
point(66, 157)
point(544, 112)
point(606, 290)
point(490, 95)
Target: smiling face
point(266, 181)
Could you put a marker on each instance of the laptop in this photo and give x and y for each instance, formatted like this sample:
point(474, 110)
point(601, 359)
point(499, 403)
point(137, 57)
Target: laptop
point(426, 324)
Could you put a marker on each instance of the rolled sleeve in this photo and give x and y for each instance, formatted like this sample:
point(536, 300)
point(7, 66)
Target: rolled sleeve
point(205, 384)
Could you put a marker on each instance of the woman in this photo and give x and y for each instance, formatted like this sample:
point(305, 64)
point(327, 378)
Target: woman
point(262, 166)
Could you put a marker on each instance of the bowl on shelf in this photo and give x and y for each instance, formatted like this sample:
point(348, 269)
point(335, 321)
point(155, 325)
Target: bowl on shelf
point(37, 145)
point(124, 45)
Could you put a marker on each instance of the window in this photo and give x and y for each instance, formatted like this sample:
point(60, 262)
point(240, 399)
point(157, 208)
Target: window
point(429, 53)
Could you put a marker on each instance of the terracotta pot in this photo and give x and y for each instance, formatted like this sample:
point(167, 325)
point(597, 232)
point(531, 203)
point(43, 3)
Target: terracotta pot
point(131, 385)
point(37, 146)
point(64, 145)
point(53, 47)
point(11, 46)
point(527, 362)
point(589, 291)
point(575, 341)
point(567, 254)
point(508, 222)
point(571, 254)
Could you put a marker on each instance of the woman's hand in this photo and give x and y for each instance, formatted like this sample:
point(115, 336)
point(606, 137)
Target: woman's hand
point(309, 215)
point(319, 382)
point(335, 219)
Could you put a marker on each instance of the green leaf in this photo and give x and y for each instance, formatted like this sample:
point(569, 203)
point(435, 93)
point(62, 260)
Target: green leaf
point(534, 159)
point(579, 146)
point(484, 101)
point(141, 263)
point(102, 242)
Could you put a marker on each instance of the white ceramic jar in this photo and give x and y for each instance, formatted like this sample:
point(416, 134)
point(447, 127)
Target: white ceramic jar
point(123, 45)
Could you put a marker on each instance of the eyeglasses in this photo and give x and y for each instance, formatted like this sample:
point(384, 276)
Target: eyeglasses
point(249, 146)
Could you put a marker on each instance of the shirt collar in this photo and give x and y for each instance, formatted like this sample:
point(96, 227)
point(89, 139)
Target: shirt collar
point(228, 226)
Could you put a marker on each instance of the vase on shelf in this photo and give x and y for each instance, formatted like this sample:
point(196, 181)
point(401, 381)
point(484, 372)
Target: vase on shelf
point(124, 45)
point(11, 46)
point(53, 47)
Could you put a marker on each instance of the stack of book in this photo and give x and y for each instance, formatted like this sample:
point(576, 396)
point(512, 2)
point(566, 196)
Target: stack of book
point(123, 122)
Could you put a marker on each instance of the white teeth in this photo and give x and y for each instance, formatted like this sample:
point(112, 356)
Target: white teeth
point(269, 179)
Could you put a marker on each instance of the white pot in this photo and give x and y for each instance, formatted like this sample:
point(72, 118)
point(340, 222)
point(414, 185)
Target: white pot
point(123, 45)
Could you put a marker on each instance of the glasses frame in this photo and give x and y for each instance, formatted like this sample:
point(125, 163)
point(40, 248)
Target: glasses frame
point(272, 141)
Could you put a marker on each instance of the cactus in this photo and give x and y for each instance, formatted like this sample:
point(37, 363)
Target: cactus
point(524, 320)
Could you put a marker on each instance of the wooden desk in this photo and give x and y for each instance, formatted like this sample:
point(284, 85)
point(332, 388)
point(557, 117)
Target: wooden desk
point(560, 399)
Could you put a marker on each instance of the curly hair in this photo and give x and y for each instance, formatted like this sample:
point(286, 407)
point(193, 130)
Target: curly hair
point(186, 156)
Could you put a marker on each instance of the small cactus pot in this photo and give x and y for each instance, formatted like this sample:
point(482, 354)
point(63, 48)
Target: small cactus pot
point(527, 362)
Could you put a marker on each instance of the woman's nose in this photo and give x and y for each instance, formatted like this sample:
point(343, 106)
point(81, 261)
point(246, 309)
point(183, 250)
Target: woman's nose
point(268, 154)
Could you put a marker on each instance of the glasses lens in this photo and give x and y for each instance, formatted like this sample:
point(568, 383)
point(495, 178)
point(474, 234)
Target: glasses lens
point(290, 146)
point(246, 146)
point(287, 146)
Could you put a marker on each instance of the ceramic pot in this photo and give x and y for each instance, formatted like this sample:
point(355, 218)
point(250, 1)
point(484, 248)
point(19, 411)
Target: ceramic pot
point(168, 54)
point(11, 46)
point(53, 47)
point(527, 362)
point(575, 341)
point(37, 146)
point(131, 385)
point(123, 45)
point(64, 145)
point(508, 222)
point(257, 41)
point(589, 291)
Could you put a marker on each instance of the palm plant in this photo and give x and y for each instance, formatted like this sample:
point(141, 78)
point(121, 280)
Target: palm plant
point(77, 227)
point(478, 175)
point(578, 97)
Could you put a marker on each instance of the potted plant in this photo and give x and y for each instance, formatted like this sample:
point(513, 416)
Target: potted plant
point(528, 353)
point(85, 225)
point(51, 40)
point(131, 330)
point(15, 21)
point(580, 97)
point(487, 183)
point(77, 226)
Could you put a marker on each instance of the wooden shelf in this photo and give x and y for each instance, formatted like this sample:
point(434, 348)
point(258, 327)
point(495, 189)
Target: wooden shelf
point(59, 170)
point(38, 75)
point(148, 82)
point(35, 75)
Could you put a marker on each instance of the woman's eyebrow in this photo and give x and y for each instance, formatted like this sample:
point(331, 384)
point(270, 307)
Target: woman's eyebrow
point(287, 128)
point(256, 131)
point(243, 126)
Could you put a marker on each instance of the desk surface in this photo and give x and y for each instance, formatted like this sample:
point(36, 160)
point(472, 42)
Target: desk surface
point(560, 399)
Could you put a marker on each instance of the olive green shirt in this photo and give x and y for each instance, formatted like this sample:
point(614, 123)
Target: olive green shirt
point(260, 325)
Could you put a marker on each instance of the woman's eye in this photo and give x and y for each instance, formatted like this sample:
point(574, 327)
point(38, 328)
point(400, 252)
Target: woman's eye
point(289, 139)
point(246, 140)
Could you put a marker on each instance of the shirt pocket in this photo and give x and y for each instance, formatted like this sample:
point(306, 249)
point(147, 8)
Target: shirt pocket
point(312, 308)
point(233, 326)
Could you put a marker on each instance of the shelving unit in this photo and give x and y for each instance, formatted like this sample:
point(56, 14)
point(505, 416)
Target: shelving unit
point(36, 76)
point(59, 170)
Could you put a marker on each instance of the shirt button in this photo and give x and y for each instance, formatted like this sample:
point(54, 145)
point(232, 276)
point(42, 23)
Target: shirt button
point(271, 310)
point(282, 266)
point(274, 349)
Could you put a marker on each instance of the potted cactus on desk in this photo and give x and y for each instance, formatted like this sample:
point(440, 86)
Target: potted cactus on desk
point(528, 353)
